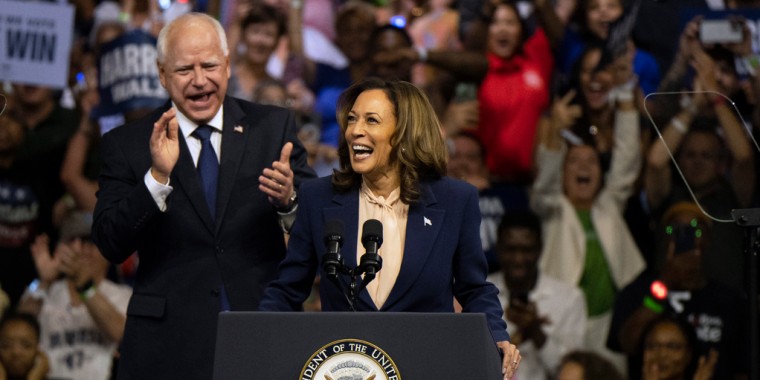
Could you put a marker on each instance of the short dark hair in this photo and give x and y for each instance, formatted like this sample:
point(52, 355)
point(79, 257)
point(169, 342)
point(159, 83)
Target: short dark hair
point(594, 365)
point(521, 219)
point(261, 13)
point(27, 318)
point(472, 136)
point(489, 13)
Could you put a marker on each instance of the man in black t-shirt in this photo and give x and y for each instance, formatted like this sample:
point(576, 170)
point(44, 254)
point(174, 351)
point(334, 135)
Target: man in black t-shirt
point(681, 288)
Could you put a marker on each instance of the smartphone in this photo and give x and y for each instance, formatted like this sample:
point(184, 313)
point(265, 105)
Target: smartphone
point(720, 31)
point(685, 238)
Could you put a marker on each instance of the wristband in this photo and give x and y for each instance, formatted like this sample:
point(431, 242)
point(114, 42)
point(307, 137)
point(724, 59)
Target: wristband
point(422, 53)
point(624, 95)
point(35, 291)
point(651, 304)
point(679, 125)
point(125, 17)
point(718, 100)
point(87, 290)
point(688, 105)
point(292, 203)
point(750, 64)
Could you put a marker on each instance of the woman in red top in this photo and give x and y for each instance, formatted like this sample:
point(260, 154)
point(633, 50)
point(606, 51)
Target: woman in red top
point(514, 92)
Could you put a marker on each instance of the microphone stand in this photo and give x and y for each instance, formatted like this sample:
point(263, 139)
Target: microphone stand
point(355, 287)
point(347, 292)
point(749, 218)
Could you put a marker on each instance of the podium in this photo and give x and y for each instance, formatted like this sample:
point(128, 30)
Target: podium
point(360, 345)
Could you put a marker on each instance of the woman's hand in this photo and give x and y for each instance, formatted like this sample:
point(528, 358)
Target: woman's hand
point(41, 367)
point(511, 358)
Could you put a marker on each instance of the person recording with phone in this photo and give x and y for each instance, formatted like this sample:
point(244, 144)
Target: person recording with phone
point(709, 142)
point(391, 176)
point(680, 287)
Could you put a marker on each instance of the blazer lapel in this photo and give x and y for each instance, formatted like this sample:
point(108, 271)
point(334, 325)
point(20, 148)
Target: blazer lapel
point(235, 133)
point(422, 227)
point(187, 176)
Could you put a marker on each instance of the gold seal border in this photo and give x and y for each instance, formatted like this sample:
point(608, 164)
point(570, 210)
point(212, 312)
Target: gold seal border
point(370, 344)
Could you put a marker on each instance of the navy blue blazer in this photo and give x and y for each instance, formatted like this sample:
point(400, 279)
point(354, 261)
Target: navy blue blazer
point(185, 255)
point(443, 256)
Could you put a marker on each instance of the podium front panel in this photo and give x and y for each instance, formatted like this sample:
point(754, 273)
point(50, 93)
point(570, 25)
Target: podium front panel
point(409, 346)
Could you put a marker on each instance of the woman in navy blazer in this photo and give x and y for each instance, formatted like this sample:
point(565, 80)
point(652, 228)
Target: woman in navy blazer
point(392, 144)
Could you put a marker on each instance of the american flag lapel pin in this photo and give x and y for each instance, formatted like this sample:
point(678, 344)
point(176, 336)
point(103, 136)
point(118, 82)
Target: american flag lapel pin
point(426, 221)
point(238, 129)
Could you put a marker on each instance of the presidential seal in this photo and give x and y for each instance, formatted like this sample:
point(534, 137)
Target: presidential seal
point(350, 359)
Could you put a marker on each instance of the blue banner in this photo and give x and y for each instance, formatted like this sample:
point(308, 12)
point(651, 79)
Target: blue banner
point(128, 76)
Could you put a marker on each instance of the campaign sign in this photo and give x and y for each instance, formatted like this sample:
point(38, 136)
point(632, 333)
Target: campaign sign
point(35, 42)
point(128, 76)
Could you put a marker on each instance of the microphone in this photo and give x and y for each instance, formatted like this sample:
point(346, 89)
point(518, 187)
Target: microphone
point(372, 239)
point(332, 262)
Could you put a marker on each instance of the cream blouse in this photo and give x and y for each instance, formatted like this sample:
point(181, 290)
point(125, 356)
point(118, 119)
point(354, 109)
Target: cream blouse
point(393, 214)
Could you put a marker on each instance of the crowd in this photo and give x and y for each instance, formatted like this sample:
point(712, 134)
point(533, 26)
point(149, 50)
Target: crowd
point(605, 210)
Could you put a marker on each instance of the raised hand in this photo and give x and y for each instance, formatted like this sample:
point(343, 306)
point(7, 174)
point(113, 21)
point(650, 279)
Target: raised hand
point(48, 267)
point(706, 366)
point(564, 113)
point(164, 146)
point(277, 181)
point(40, 368)
point(72, 263)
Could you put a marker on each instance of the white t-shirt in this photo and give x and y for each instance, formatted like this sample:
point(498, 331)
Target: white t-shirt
point(563, 304)
point(76, 347)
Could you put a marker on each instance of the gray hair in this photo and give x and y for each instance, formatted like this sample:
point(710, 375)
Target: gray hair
point(163, 35)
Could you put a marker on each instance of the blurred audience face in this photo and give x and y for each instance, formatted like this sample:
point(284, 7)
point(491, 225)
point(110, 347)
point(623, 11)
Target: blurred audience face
point(11, 135)
point(466, 158)
point(18, 348)
point(195, 70)
point(667, 346)
point(519, 249)
point(600, 14)
point(260, 41)
point(684, 269)
point(107, 33)
point(32, 96)
point(370, 126)
point(272, 93)
point(391, 40)
point(595, 86)
point(699, 159)
point(505, 32)
point(353, 35)
point(582, 175)
point(571, 371)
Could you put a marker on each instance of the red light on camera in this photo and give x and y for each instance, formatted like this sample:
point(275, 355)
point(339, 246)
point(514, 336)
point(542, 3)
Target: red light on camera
point(658, 290)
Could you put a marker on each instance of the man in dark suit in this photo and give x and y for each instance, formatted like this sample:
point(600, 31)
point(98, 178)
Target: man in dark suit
point(207, 243)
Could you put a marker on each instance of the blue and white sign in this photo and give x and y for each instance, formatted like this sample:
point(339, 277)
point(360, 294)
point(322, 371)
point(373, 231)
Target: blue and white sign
point(128, 75)
point(35, 42)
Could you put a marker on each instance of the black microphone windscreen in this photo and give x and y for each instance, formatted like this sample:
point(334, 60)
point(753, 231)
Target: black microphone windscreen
point(372, 230)
point(334, 230)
